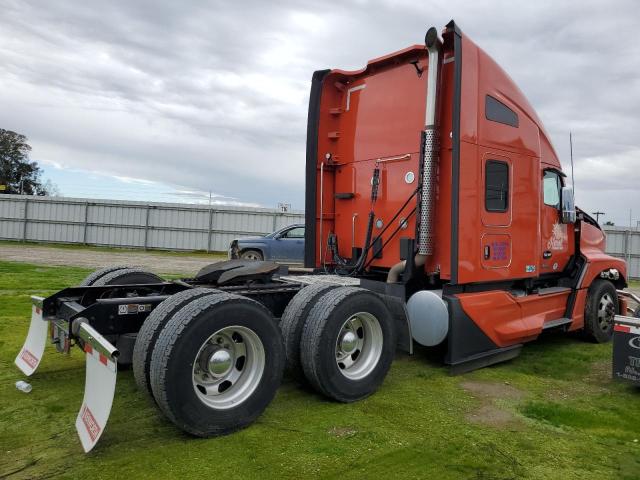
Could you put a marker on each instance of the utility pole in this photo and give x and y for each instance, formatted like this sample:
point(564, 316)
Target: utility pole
point(597, 214)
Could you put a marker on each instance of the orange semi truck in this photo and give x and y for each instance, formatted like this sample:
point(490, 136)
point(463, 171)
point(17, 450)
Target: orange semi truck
point(437, 212)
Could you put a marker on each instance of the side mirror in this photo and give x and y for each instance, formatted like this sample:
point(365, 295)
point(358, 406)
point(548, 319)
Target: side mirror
point(568, 205)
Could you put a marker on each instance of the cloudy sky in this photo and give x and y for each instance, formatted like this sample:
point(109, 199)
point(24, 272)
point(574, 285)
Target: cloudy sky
point(158, 100)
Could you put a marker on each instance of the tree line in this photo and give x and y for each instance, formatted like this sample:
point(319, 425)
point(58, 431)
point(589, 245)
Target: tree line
point(18, 174)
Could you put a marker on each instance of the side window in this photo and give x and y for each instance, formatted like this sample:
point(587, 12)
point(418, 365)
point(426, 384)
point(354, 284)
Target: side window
point(496, 194)
point(297, 232)
point(496, 111)
point(551, 188)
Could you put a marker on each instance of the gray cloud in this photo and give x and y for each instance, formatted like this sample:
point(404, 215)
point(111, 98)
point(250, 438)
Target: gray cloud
point(213, 95)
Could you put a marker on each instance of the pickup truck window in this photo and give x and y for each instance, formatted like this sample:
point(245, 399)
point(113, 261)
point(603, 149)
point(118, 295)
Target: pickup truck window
point(297, 232)
point(496, 196)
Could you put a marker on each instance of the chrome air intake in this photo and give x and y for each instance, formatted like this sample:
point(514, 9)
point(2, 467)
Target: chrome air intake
point(430, 148)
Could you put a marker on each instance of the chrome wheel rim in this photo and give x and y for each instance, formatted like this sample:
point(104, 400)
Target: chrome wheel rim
point(251, 256)
point(606, 312)
point(228, 367)
point(359, 345)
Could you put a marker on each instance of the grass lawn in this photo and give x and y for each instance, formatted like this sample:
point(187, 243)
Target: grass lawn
point(551, 413)
point(96, 248)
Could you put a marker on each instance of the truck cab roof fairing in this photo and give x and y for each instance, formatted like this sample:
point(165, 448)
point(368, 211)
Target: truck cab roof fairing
point(482, 77)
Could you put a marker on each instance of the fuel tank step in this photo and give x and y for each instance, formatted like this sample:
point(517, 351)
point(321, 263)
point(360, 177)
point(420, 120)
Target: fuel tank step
point(557, 323)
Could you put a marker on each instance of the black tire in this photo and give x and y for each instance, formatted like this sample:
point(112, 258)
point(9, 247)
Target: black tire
point(292, 322)
point(320, 339)
point(600, 310)
point(127, 276)
point(252, 255)
point(90, 279)
point(637, 312)
point(175, 355)
point(151, 328)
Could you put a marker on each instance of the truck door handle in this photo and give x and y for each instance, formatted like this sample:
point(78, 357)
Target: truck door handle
point(546, 254)
point(487, 252)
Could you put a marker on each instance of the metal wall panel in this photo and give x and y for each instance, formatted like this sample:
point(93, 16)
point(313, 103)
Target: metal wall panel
point(172, 226)
point(11, 229)
point(119, 223)
point(625, 243)
point(12, 209)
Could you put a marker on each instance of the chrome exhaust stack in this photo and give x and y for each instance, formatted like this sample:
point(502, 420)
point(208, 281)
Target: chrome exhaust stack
point(430, 149)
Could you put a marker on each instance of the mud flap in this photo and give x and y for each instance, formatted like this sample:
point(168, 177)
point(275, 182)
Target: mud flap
point(29, 357)
point(626, 349)
point(99, 388)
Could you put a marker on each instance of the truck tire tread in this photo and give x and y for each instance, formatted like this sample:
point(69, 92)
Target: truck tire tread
point(135, 275)
point(173, 332)
point(592, 330)
point(150, 330)
point(293, 319)
point(92, 277)
point(313, 353)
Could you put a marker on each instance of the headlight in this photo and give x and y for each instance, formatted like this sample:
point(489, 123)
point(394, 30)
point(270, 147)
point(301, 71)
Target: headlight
point(233, 249)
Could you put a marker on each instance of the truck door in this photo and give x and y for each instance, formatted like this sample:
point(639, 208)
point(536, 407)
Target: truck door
point(556, 237)
point(289, 246)
point(496, 242)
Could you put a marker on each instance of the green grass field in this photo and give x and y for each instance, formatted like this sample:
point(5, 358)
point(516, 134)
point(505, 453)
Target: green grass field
point(93, 248)
point(551, 413)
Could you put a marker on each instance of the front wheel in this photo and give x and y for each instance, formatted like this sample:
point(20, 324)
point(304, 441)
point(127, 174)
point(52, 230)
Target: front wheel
point(217, 364)
point(252, 255)
point(600, 311)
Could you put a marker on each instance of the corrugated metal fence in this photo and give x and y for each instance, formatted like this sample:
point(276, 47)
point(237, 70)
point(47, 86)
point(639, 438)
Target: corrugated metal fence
point(625, 243)
point(169, 226)
point(175, 226)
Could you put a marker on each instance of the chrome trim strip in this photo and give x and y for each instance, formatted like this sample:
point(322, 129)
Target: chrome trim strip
point(37, 301)
point(91, 336)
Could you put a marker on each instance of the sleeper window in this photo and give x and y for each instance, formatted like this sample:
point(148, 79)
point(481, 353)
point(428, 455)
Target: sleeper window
point(496, 111)
point(496, 197)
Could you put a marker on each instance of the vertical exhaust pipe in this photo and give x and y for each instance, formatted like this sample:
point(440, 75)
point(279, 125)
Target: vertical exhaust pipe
point(430, 148)
point(429, 160)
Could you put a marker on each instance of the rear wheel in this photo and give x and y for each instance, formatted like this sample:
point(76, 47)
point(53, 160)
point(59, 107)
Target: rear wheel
point(151, 329)
point(93, 277)
point(252, 255)
point(127, 276)
point(293, 320)
point(600, 311)
point(217, 364)
point(348, 344)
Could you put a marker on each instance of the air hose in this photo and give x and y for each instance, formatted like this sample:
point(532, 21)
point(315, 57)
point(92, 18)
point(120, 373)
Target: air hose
point(355, 268)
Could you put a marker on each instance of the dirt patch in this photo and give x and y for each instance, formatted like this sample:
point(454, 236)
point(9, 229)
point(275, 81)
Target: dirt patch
point(490, 411)
point(600, 373)
point(595, 381)
point(492, 415)
point(164, 262)
point(343, 432)
point(493, 390)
